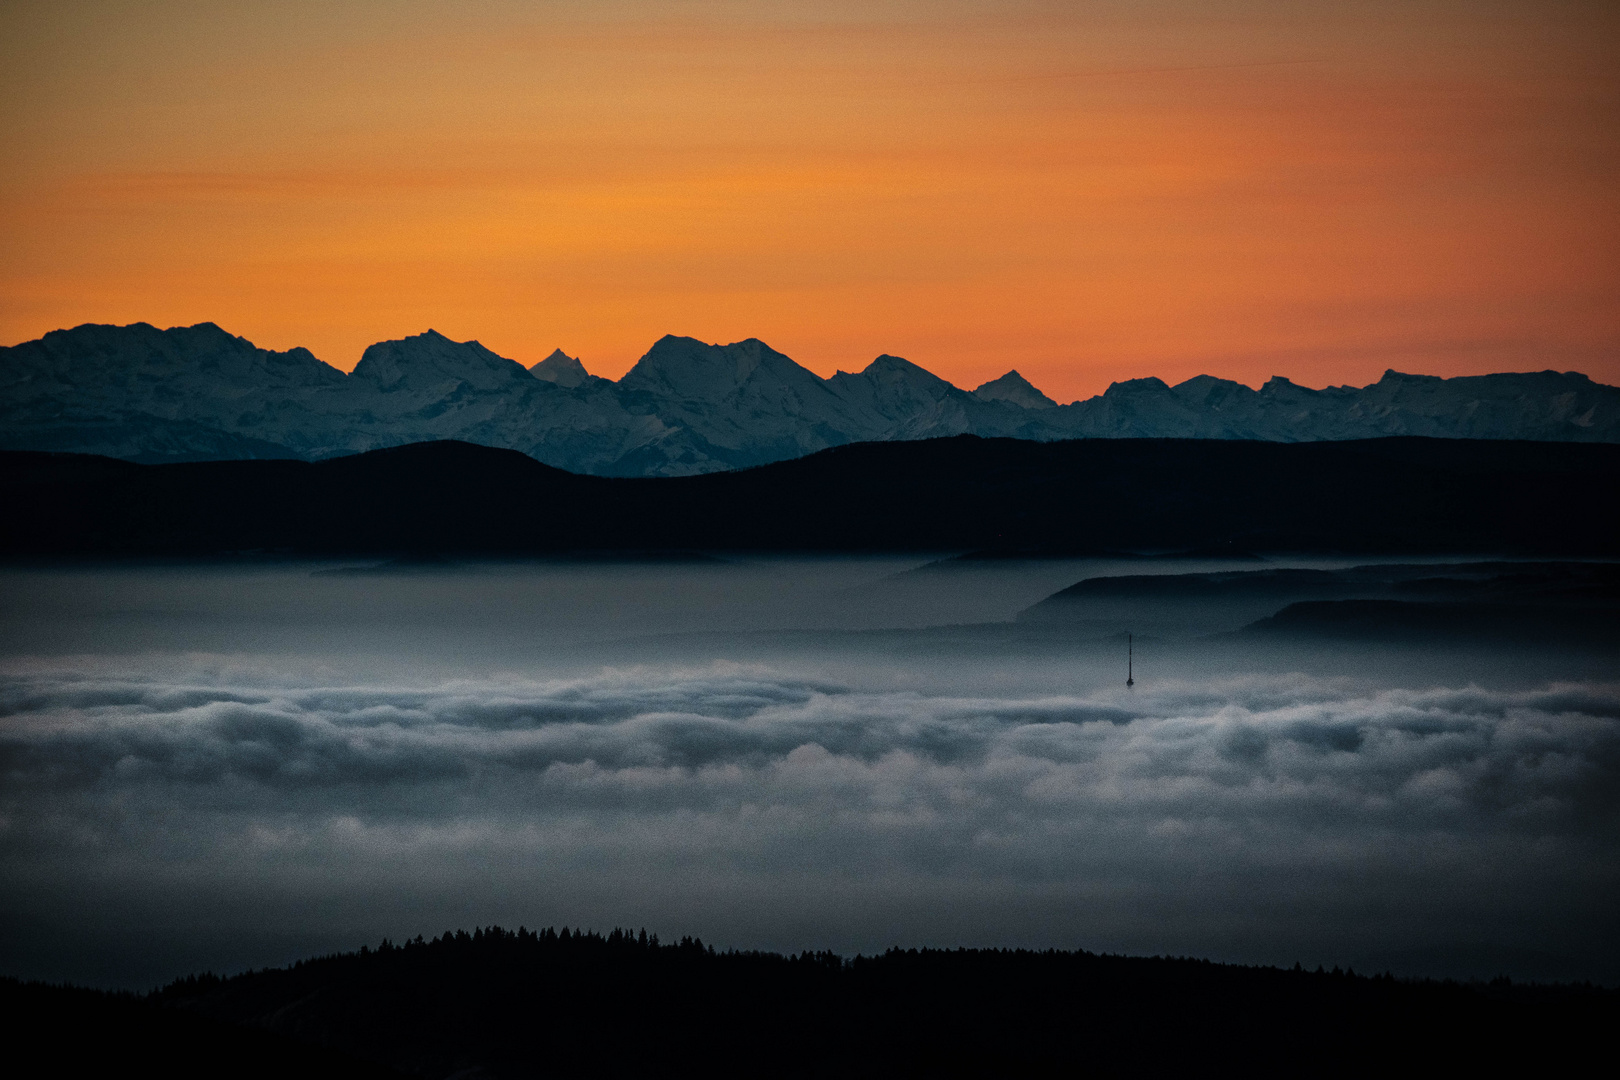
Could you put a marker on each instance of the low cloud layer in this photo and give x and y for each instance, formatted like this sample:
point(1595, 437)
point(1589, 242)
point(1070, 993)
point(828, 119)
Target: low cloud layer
point(1291, 795)
point(719, 738)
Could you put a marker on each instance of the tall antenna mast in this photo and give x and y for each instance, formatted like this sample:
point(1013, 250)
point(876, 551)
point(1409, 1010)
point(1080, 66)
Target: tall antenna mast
point(1130, 658)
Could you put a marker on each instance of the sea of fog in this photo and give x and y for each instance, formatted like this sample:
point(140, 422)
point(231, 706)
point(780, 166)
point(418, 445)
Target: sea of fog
point(225, 766)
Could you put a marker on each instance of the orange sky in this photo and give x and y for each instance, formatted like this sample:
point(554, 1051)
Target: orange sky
point(1083, 191)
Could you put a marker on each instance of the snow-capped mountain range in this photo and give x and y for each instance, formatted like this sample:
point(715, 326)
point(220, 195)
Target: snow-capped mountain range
point(197, 392)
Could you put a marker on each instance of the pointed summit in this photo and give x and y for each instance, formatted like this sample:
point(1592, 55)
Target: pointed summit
point(902, 400)
point(562, 369)
point(896, 372)
point(1013, 389)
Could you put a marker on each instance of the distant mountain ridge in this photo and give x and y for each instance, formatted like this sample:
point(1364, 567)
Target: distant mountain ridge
point(198, 393)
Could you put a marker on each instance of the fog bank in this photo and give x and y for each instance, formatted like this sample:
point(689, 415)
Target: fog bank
point(167, 807)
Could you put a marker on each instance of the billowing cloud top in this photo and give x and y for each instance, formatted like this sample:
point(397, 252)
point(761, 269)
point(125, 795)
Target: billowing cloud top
point(686, 786)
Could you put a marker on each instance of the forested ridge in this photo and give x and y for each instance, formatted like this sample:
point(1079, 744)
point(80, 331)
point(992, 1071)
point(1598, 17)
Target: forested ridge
point(567, 1003)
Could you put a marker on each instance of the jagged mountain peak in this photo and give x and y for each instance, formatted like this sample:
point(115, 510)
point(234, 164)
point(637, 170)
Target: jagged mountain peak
point(1210, 392)
point(562, 369)
point(204, 330)
point(142, 354)
point(138, 391)
point(1198, 383)
point(1400, 377)
point(203, 336)
point(1013, 389)
point(430, 359)
point(1279, 387)
point(1151, 384)
point(1506, 381)
point(890, 370)
point(691, 370)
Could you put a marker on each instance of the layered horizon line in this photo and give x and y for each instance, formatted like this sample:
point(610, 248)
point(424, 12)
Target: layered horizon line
point(686, 407)
point(563, 369)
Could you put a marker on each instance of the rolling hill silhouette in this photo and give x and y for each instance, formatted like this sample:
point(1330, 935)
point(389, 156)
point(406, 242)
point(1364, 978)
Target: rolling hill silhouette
point(996, 495)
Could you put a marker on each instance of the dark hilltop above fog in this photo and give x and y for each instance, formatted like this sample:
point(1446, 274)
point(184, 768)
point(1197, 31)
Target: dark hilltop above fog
point(1554, 603)
point(198, 393)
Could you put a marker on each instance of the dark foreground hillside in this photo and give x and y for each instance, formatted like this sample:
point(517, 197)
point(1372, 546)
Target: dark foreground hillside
point(996, 495)
point(496, 1003)
point(70, 1031)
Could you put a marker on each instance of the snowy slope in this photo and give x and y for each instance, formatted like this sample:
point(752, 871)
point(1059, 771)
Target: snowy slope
point(562, 369)
point(142, 393)
point(192, 393)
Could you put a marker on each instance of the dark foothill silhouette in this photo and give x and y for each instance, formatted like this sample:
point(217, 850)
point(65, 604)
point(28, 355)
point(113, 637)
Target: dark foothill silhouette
point(565, 1003)
point(992, 496)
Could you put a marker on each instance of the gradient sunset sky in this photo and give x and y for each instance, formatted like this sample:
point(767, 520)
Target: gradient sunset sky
point(1082, 191)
